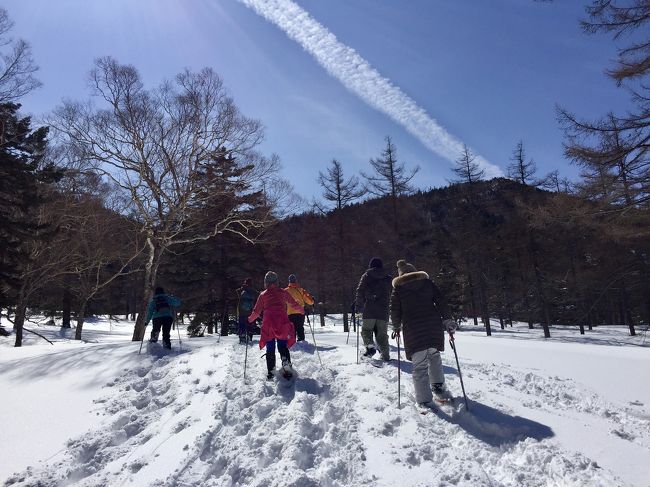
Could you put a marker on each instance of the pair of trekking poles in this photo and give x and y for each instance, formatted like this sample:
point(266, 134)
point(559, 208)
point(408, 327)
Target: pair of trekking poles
point(174, 322)
point(312, 335)
point(399, 369)
point(399, 360)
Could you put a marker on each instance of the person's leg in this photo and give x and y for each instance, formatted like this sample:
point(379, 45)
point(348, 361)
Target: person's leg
point(436, 373)
point(300, 327)
point(166, 327)
point(381, 335)
point(270, 355)
point(284, 352)
point(155, 329)
point(367, 329)
point(293, 318)
point(437, 376)
point(421, 377)
point(242, 323)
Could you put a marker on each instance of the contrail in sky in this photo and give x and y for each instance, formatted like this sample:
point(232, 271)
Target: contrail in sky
point(358, 76)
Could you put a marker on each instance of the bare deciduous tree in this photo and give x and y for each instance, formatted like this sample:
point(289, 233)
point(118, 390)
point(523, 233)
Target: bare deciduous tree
point(466, 167)
point(336, 188)
point(521, 170)
point(153, 145)
point(17, 67)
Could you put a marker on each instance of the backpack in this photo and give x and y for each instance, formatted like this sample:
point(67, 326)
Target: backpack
point(377, 290)
point(160, 304)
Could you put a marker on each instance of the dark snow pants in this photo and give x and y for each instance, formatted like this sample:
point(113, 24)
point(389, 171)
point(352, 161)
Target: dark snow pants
point(165, 323)
point(298, 321)
point(270, 353)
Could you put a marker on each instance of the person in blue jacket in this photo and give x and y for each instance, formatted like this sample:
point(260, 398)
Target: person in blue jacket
point(161, 310)
point(247, 298)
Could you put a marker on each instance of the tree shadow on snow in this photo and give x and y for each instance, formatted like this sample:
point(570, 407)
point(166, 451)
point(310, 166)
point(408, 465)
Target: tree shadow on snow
point(59, 362)
point(494, 427)
point(310, 348)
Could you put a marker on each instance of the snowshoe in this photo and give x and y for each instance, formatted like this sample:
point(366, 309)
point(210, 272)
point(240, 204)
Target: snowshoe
point(441, 393)
point(286, 371)
point(426, 407)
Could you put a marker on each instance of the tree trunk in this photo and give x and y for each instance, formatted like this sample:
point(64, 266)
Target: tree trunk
point(19, 322)
point(625, 310)
point(67, 308)
point(212, 321)
point(81, 312)
point(151, 271)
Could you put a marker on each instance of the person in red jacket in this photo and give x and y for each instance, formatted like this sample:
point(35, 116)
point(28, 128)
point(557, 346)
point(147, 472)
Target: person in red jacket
point(272, 305)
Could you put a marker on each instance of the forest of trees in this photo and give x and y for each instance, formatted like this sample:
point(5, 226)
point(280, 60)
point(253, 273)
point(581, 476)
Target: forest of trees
point(135, 187)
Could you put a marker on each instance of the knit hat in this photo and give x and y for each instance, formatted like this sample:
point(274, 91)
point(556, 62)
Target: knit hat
point(159, 290)
point(376, 262)
point(404, 267)
point(292, 278)
point(248, 282)
point(270, 278)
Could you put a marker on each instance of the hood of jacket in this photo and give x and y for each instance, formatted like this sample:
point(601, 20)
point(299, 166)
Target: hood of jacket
point(413, 279)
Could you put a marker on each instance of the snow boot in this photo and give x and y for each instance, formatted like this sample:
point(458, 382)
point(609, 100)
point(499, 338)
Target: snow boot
point(441, 392)
point(370, 352)
point(167, 345)
point(287, 370)
point(270, 365)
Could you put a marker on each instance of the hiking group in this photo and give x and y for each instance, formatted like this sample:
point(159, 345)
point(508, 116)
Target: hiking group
point(411, 302)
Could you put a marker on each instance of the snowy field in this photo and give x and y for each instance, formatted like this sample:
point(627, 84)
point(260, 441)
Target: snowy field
point(568, 411)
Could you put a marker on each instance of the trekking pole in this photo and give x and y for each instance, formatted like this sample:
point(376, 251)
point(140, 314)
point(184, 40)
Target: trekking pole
point(357, 326)
point(453, 347)
point(180, 342)
point(314, 338)
point(144, 332)
point(245, 355)
point(399, 371)
point(347, 340)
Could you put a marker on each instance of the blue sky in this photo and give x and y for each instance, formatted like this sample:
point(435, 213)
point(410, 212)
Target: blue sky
point(488, 73)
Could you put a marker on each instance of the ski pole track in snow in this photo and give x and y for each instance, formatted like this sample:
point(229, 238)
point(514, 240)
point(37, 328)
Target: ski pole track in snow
point(265, 434)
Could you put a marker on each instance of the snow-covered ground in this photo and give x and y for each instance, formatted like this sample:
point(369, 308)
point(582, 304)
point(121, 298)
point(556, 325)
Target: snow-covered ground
point(570, 410)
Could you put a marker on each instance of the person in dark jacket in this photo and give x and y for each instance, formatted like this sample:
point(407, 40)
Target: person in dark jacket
point(419, 311)
point(372, 300)
point(246, 301)
point(161, 310)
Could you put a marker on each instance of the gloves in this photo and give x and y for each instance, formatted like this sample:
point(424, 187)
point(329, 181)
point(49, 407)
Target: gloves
point(450, 325)
point(396, 333)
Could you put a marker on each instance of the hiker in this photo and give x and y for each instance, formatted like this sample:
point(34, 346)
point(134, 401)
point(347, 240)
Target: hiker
point(272, 303)
point(297, 316)
point(247, 297)
point(419, 310)
point(161, 309)
point(372, 300)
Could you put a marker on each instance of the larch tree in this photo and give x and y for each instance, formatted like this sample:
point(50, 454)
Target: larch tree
point(341, 192)
point(520, 169)
point(391, 178)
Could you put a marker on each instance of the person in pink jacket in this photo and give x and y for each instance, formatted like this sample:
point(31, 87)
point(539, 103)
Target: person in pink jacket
point(272, 304)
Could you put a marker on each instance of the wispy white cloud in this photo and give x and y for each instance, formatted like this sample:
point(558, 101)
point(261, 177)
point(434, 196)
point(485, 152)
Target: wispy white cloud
point(358, 76)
